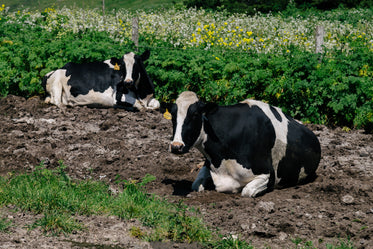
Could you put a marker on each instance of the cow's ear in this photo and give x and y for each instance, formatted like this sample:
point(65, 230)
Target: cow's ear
point(114, 61)
point(145, 55)
point(167, 109)
point(209, 107)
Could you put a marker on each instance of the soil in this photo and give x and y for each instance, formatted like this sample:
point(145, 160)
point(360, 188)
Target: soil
point(102, 144)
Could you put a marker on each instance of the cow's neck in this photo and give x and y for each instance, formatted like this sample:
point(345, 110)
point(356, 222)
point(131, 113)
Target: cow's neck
point(206, 138)
point(210, 144)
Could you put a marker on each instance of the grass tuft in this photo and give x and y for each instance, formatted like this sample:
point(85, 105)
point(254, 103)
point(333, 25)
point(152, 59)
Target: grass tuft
point(53, 194)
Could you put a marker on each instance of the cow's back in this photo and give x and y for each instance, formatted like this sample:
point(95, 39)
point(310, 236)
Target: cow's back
point(94, 76)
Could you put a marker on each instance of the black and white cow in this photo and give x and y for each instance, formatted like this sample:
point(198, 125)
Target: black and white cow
point(249, 147)
point(112, 83)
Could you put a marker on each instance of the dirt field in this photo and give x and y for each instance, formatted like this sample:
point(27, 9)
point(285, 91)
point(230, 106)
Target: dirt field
point(104, 143)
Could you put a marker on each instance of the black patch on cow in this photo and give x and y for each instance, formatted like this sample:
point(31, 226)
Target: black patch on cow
point(96, 76)
point(44, 84)
point(243, 133)
point(275, 113)
point(302, 150)
point(192, 125)
point(146, 86)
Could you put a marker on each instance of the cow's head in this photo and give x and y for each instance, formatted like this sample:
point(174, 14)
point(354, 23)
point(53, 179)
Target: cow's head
point(188, 114)
point(131, 68)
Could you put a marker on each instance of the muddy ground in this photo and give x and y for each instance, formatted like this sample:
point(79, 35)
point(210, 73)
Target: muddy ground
point(104, 143)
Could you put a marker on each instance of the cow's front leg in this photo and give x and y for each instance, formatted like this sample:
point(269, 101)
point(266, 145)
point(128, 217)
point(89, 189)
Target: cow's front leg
point(202, 179)
point(257, 186)
point(130, 99)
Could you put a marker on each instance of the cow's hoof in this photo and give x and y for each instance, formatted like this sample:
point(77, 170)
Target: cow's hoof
point(198, 188)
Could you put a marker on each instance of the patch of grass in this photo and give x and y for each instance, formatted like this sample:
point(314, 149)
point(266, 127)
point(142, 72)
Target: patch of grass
point(59, 198)
point(55, 223)
point(306, 244)
point(343, 244)
point(230, 242)
point(5, 224)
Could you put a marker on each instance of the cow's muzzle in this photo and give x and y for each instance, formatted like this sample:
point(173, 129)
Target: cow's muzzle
point(177, 148)
point(129, 84)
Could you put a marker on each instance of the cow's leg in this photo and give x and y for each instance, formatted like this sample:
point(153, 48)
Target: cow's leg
point(131, 99)
point(257, 186)
point(56, 93)
point(202, 179)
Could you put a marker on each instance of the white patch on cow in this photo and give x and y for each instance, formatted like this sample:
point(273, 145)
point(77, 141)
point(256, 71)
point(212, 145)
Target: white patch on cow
point(281, 131)
point(183, 102)
point(153, 104)
point(57, 86)
point(201, 179)
point(106, 98)
point(230, 176)
point(129, 61)
point(256, 186)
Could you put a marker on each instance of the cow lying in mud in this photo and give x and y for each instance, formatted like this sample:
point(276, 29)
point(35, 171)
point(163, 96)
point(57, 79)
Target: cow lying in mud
point(249, 147)
point(122, 83)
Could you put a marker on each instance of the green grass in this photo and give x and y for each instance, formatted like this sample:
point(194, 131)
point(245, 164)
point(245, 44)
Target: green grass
point(58, 198)
point(5, 224)
point(89, 4)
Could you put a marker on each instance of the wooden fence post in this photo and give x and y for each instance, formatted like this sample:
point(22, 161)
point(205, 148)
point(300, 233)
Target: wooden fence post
point(103, 12)
point(135, 32)
point(319, 39)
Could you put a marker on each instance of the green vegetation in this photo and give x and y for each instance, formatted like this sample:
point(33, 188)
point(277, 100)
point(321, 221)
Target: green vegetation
point(53, 194)
point(5, 224)
point(331, 90)
point(265, 6)
point(275, 64)
point(306, 244)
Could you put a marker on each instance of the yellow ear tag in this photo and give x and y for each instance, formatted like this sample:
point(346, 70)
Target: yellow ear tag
point(116, 67)
point(167, 115)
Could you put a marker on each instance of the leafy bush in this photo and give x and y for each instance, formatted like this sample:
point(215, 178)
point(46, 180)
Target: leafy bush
point(335, 90)
point(276, 65)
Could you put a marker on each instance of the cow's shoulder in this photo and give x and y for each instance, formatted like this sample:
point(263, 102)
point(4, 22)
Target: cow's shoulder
point(96, 67)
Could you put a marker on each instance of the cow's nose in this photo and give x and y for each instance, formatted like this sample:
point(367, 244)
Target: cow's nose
point(128, 82)
point(176, 147)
